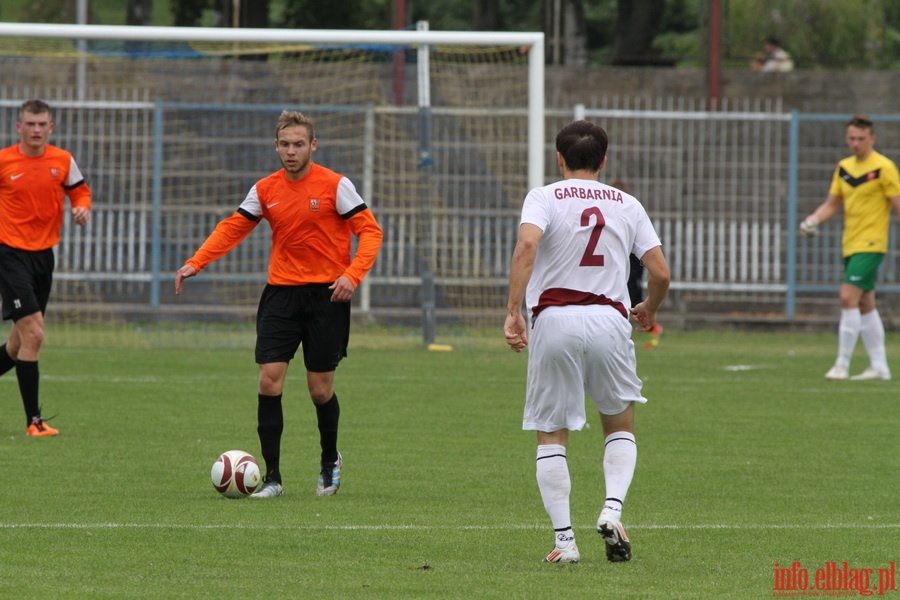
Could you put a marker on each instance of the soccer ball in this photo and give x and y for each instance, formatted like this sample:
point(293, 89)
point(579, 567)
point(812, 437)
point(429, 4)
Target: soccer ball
point(235, 474)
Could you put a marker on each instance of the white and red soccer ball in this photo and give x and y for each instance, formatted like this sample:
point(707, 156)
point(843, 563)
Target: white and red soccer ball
point(235, 474)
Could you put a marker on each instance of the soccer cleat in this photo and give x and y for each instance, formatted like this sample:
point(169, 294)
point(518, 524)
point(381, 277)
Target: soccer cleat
point(269, 489)
point(871, 373)
point(330, 478)
point(837, 372)
point(655, 333)
point(568, 554)
point(39, 428)
point(618, 548)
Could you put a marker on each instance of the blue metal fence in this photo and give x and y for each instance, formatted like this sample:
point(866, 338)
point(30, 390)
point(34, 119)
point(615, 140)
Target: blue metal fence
point(726, 191)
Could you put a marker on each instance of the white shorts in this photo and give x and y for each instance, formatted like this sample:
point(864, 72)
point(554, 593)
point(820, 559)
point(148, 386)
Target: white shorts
point(573, 350)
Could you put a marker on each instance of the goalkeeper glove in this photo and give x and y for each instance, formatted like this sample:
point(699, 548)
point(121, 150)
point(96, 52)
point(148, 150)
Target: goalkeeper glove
point(809, 227)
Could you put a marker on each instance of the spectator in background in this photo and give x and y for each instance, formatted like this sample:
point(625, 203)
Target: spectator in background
point(777, 58)
point(757, 61)
point(866, 185)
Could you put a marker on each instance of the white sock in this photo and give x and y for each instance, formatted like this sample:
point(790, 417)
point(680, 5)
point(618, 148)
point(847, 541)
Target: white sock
point(872, 333)
point(848, 334)
point(619, 460)
point(555, 485)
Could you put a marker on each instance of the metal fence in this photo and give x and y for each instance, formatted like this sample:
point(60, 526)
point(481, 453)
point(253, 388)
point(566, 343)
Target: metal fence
point(725, 190)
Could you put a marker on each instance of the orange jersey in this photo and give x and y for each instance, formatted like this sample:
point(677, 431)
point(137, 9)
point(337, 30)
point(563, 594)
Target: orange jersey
point(31, 196)
point(312, 221)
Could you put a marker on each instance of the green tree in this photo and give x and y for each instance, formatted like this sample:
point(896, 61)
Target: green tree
point(253, 14)
point(817, 33)
point(637, 24)
point(187, 13)
point(139, 12)
point(486, 15)
point(346, 14)
point(50, 11)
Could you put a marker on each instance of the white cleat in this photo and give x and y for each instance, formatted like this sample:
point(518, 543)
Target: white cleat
point(270, 489)
point(837, 373)
point(871, 373)
point(330, 478)
point(568, 554)
point(618, 547)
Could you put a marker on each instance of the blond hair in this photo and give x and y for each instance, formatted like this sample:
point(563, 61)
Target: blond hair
point(293, 118)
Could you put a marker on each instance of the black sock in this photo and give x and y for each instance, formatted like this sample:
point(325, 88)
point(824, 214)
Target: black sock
point(6, 361)
point(328, 415)
point(270, 424)
point(29, 376)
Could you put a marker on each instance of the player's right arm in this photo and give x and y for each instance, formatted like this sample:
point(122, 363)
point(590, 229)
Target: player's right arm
point(515, 328)
point(227, 234)
point(810, 225)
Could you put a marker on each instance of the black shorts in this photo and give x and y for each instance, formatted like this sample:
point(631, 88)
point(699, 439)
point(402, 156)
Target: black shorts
point(290, 315)
point(26, 277)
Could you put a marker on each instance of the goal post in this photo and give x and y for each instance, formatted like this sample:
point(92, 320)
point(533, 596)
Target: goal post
point(171, 127)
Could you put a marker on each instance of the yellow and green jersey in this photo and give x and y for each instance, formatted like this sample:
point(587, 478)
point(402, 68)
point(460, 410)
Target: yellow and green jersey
point(866, 187)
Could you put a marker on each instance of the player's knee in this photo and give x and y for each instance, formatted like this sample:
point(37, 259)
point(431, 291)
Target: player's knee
point(850, 297)
point(270, 386)
point(30, 338)
point(867, 303)
point(321, 395)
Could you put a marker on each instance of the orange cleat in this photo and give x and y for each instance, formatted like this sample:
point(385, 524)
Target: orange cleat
point(40, 429)
point(655, 333)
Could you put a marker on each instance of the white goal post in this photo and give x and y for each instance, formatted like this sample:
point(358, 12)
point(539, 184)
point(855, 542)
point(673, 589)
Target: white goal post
point(533, 41)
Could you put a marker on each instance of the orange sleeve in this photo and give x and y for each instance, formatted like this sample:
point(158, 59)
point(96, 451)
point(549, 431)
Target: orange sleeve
point(366, 228)
point(227, 234)
point(80, 196)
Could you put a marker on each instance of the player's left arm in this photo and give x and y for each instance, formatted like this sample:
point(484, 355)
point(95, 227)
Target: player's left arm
point(895, 200)
point(892, 186)
point(79, 194)
point(362, 223)
point(364, 226)
point(657, 287)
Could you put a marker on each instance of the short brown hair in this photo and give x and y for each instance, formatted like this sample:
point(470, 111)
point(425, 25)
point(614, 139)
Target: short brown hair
point(582, 145)
point(861, 122)
point(35, 107)
point(293, 118)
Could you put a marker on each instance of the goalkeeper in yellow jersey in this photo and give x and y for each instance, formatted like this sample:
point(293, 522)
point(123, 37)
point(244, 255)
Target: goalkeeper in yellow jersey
point(867, 184)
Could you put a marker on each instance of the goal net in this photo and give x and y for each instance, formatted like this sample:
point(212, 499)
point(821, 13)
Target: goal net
point(442, 133)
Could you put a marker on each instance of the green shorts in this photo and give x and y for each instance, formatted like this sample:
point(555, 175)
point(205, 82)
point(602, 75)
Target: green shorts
point(861, 269)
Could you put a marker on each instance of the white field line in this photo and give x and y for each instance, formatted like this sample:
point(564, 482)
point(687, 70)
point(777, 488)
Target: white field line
point(385, 527)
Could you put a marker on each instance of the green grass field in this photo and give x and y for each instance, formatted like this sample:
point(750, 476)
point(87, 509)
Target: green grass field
point(747, 458)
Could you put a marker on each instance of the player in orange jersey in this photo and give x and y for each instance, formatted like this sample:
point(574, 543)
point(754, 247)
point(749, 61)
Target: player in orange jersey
point(313, 212)
point(34, 178)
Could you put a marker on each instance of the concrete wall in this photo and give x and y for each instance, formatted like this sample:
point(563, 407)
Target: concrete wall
point(864, 91)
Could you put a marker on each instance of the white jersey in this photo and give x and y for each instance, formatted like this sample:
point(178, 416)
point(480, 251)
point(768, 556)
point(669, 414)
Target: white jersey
point(589, 230)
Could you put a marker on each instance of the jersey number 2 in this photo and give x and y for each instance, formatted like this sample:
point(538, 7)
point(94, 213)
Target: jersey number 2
point(589, 259)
